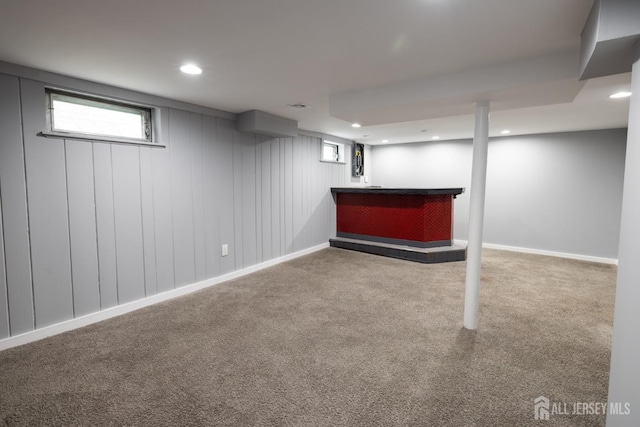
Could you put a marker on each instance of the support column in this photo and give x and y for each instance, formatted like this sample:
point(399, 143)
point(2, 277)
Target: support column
point(625, 352)
point(476, 215)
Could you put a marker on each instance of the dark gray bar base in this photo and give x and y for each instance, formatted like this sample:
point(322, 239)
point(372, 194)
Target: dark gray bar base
point(402, 242)
point(424, 255)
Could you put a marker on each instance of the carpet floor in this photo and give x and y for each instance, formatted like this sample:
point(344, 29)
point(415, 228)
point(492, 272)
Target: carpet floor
point(335, 338)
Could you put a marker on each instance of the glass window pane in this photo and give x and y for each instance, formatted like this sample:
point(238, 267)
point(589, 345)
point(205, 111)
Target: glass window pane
point(330, 152)
point(93, 117)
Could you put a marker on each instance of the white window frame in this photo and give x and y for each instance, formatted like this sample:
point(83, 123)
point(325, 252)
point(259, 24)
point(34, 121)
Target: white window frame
point(340, 152)
point(147, 114)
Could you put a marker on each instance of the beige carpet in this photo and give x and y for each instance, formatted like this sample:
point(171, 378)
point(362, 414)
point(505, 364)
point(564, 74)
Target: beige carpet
point(336, 338)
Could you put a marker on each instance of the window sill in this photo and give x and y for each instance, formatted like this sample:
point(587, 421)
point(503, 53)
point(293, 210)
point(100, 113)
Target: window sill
point(334, 162)
point(98, 138)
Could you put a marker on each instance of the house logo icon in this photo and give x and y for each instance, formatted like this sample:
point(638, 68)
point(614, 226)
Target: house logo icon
point(541, 406)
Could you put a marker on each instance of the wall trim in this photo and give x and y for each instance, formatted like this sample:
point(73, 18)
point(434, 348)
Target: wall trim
point(578, 257)
point(79, 322)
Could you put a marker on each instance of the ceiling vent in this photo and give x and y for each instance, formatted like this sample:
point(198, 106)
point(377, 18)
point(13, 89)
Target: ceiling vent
point(299, 106)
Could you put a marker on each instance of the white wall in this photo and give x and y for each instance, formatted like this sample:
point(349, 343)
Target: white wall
point(557, 192)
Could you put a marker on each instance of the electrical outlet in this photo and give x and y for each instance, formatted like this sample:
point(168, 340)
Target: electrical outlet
point(225, 250)
point(366, 180)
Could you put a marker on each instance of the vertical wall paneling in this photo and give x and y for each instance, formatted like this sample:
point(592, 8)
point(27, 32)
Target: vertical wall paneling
point(274, 152)
point(326, 197)
point(266, 199)
point(258, 196)
point(307, 230)
point(182, 197)
point(289, 182)
point(314, 199)
point(163, 210)
point(304, 192)
point(330, 203)
point(14, 209)
point(211, 197)
point(237, 201)
point(48, 216)
point(197, 178)
point(281, 172)
point(325, 193)
point(321, 201)
point(128, 221)
point(309, 172)
point(296, 196)
point(318, 199)
point(225, 186)
point(249, 231)
point(320, 183)
point(105, 225)
point(89, 225)
point(314, 164)
point(82, 227)
point(148, 221)
point(4, 305)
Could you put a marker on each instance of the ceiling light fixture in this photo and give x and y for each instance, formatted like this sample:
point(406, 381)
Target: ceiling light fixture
point(506, 131)
point(356, 125)
point(191, 69)
point(623, 94)
point(435, 137)
point(385, 140)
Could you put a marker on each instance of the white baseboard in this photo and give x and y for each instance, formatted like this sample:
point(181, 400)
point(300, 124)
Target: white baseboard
point(119, 310)
point(579, 257)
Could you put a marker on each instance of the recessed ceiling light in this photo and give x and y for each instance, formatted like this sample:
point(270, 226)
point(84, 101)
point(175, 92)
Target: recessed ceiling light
point(435, 137)
point(506, 131)
point(385, 140)
point(191, 69)
point(622, 94)
point(356, 125)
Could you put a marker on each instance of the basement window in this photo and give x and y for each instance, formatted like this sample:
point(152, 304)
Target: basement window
point(332, 152)
point(72, 115)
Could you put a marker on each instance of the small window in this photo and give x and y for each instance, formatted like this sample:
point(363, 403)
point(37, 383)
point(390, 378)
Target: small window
point(79, 115)
point(332, 152)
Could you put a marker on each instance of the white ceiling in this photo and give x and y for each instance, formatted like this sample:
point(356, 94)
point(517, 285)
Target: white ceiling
point(406, 69)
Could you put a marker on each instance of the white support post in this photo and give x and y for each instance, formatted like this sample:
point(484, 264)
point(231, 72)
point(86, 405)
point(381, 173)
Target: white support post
point(625, 348)
point(476, 215)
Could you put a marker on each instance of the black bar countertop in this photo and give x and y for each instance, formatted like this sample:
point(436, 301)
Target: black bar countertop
point(398, 191)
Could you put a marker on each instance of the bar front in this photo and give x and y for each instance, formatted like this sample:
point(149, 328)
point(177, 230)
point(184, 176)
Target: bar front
point(394, 218)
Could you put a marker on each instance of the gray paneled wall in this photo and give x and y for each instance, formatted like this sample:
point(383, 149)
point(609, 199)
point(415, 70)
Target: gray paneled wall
point(13, 202)
point(90, 225)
